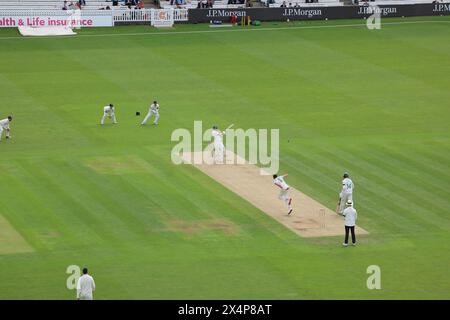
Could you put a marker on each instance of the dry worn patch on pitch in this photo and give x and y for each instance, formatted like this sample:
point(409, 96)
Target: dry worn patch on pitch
point(10, 240)
point(309, 219)
point(118, 165)
point(195, 227)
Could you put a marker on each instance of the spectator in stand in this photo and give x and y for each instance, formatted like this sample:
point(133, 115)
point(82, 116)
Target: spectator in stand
point(82, 3)
point(249, 4)
point(64, 5)
point(140, 4)
point(297, 5)
point(209, 3)
point(283, 5)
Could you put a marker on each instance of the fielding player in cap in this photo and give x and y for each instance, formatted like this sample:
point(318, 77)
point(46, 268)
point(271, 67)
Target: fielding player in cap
point(219, 148)
point(154, 110)
point(284, 189)
point(109, 111)
point(346, 192)
point(4, 125)
point(350, 215)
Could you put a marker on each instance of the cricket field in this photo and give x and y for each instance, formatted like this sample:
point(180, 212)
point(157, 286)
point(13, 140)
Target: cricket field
point(345, 98)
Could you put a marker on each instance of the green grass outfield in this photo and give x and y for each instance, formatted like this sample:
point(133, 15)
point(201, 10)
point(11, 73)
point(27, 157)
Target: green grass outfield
point(375, 103)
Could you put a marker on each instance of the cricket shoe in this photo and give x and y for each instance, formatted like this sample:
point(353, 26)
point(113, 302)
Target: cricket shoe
point(345, 244)
point(290, 211)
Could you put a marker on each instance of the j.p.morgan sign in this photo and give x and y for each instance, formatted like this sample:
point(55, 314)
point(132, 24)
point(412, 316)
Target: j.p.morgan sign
point(442, 7)
point(302, 13)
point(223, 13)
point(315, 13)
point(383, 11)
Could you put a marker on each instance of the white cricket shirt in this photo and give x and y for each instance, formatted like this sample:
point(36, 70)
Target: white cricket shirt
point(85, 286)
point(217, 135)
point(347, 185)
point(154, 107)
point(4, 123)
point(279, 181)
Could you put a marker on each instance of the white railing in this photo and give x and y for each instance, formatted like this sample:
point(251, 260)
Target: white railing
point(145, 15)
point(50, 12)
point(119, 15)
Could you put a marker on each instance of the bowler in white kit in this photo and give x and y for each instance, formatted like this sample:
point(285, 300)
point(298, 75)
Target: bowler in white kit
point(109, 112)
point(4, 126)
point(346, 192)
point(284, 191)
point(154, 110)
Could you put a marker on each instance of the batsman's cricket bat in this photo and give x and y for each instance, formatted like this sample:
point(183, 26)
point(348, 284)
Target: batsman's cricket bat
point(230, 126)
point(338, 205)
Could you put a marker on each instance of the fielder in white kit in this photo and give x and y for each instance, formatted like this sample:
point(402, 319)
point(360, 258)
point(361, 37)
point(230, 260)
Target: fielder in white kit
point(284, 189)
point(4, 126)
point(85, 286)
point(154, 110)
point(109, 111)
point(219, 148)
point(346, 192)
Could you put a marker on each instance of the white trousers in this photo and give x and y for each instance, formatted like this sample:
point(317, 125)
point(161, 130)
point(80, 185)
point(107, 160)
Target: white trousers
point(284, 196)
point(344, 198)
point(149, 114)
point(105, 114)
point(1, 132)
point(219, 149)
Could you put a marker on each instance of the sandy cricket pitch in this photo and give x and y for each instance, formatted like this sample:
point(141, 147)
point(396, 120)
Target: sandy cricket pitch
point(309, 219)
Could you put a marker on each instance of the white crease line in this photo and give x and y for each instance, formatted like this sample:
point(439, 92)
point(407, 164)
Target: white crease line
point(218, 31)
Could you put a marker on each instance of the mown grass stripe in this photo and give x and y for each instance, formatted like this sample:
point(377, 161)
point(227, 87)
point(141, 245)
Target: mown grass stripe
point(397, 195)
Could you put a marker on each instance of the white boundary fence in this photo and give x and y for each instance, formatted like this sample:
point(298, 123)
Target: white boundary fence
point(144, 15)
point(89, 18)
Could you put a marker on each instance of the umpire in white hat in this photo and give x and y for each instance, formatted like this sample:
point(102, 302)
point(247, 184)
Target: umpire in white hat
point(350, 216)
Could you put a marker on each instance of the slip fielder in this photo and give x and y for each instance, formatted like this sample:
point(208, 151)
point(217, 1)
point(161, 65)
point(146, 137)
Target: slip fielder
point(154, 110)
point(109, 111)
point(284, 189)
point(4, 125)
